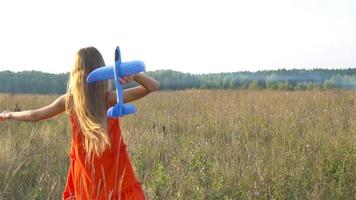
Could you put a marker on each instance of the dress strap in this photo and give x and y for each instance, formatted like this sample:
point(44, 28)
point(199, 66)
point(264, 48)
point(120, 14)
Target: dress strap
point(107, 99)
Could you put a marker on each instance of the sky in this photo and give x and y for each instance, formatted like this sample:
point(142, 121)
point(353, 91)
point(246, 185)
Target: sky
point(195, 36)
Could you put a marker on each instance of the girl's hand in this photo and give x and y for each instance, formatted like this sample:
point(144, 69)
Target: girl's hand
point(5, 115)
point(126, 79)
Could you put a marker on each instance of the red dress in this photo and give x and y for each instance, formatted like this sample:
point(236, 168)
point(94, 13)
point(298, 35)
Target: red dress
point(110, 176)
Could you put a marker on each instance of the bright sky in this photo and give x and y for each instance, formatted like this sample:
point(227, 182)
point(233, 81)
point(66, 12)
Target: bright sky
point(196, 36)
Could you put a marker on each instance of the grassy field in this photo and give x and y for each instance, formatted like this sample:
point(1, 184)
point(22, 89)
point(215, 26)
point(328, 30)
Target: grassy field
point(200, 144)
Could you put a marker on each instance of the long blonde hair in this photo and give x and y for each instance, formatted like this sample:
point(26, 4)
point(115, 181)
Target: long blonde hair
point(87, 100)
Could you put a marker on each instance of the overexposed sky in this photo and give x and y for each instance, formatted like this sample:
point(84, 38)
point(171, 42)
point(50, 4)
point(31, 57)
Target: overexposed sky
point(196, 36)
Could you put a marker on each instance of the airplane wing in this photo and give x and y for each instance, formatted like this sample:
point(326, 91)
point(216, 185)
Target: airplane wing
point(100, 74)
point(130, 68)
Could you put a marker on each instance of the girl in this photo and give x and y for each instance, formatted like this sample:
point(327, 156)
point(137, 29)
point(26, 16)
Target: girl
point(99, 164)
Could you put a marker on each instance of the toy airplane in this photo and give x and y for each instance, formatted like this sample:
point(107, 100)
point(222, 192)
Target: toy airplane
point(119, 70)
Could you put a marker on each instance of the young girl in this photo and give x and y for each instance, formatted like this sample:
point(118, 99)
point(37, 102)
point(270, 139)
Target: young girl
point(99, 164)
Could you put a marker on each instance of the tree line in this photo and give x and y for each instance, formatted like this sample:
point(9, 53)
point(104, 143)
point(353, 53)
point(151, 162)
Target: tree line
point(296, 79)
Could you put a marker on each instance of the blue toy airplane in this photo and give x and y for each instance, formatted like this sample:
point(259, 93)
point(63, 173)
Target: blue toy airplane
point(119, 70)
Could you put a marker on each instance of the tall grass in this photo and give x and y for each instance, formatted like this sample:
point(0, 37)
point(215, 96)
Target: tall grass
point(201, 144)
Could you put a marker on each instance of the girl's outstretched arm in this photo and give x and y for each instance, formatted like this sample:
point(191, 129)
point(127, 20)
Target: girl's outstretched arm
point(147, 83)
point(46, 112)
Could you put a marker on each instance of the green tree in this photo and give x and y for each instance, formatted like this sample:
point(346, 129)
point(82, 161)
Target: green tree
point(254, 85)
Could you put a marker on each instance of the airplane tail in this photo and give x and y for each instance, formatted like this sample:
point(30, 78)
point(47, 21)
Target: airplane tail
point(126, 109)
point(114, 111)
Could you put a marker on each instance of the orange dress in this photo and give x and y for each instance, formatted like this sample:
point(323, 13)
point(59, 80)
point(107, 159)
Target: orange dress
point(109, 176)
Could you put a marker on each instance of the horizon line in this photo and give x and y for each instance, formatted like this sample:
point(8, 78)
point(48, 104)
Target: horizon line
point(242, 71)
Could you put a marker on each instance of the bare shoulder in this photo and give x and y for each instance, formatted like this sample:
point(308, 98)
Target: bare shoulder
point(62, 98)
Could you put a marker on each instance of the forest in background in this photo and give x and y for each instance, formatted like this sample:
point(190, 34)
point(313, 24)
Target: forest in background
point(36, 82)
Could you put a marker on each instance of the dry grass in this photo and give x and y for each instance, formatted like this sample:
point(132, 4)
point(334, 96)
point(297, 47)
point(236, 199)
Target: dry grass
point(200, 144)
